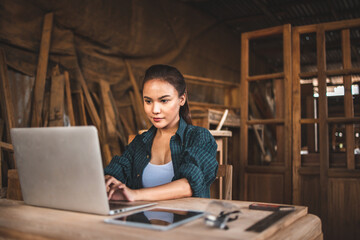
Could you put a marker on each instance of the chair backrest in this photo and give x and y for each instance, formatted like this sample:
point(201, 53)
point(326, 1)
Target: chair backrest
point(225, 175)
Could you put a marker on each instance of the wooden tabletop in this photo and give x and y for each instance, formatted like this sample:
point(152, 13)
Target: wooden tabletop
point(20, 221)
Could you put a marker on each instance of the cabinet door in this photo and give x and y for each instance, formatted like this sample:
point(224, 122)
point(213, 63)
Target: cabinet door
point(326, 125)
point(266, 115)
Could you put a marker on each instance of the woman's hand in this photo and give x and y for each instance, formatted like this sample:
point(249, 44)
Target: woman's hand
point(110, 181)
point(117, 190)
point(121, 192)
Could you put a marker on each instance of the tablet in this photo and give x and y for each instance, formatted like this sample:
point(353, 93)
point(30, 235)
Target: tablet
point(157, 218)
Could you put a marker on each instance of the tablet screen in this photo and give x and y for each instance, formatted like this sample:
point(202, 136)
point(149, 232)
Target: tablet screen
point(157, 218)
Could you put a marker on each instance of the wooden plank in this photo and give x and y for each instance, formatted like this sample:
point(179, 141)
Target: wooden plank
point(348, 99)
point(266, 77)
point(88, 100)
point(6, 100)
point(309, 171)
point(56, 111)
point(14, 189)
point(137, 111)
point(210, 81)
point(6, 106)
point(69, 104)
point(6, 146)
point(211, 105)
point(138, 98)
point(244, 115)
point(287, 111)
point(41, 70)
point(264, 32)
point(344, 173)
point(331, 73)
point(329, 26)
point(265, 169)
point(296, 117)
point(120, 129)
point(323, 125)
point(80, 107)
point(46, 109)
point(108, 118)
point(309, 120)
point(266, 121)
point(222, 120)
point(128, 129)
point(106, 152)
point(280, 103)
point(221, 133)
point(343, 120)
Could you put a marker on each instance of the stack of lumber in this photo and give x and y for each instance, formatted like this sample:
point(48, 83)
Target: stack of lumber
point(67, 102)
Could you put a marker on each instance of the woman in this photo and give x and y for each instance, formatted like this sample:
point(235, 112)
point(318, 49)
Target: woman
point(173, 159)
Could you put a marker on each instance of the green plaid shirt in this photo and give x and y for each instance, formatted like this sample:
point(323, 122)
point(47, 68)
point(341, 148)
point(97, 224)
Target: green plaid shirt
point(193, 153)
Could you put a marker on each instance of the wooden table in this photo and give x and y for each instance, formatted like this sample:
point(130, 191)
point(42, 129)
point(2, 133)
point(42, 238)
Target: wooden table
point(20, 221)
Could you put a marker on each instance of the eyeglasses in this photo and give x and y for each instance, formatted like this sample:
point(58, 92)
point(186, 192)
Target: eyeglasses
point(218, 214)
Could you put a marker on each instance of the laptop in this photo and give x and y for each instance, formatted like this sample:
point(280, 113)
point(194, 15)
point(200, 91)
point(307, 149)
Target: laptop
point(61, 167)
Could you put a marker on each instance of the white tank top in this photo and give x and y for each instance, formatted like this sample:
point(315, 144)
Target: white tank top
point(155, 175)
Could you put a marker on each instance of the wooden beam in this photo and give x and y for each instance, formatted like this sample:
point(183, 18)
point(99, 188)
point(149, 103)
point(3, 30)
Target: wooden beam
point(108, 118)
point(329, 73)
point(120, 129)
point(323, 125)
point(46, 109)
point(137, 111)
point(266, 76)
point(210, 105)
point(69, 104)
point(80, 105)
point(209, 81)
point(266, 121)
point(296, 119)
point(14, 189)
point(56, 111)
point(345, 120)
point(6, 146)
point(244, 106)
point(348, 99)
point(6, 100)
point(128, 129)
point(138, 98)
point(287, 111)
point(41, 70)
point(6, 106)
point(88, 100)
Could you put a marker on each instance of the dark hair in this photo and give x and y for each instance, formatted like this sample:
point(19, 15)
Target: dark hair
point(175, 78)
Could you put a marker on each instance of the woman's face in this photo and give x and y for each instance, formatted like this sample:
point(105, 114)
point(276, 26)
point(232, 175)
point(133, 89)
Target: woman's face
point(162, 103)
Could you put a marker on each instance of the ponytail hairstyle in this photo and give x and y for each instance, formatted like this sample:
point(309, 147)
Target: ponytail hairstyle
point(176, 79)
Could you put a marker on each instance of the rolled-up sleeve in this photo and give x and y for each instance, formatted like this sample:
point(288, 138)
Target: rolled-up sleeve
point(120, 167)
point(199, 165)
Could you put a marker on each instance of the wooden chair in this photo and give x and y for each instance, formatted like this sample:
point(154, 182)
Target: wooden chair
point(222, 187)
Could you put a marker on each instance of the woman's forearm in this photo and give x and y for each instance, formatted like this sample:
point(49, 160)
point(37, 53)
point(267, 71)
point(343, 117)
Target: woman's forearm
point(176, 189)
